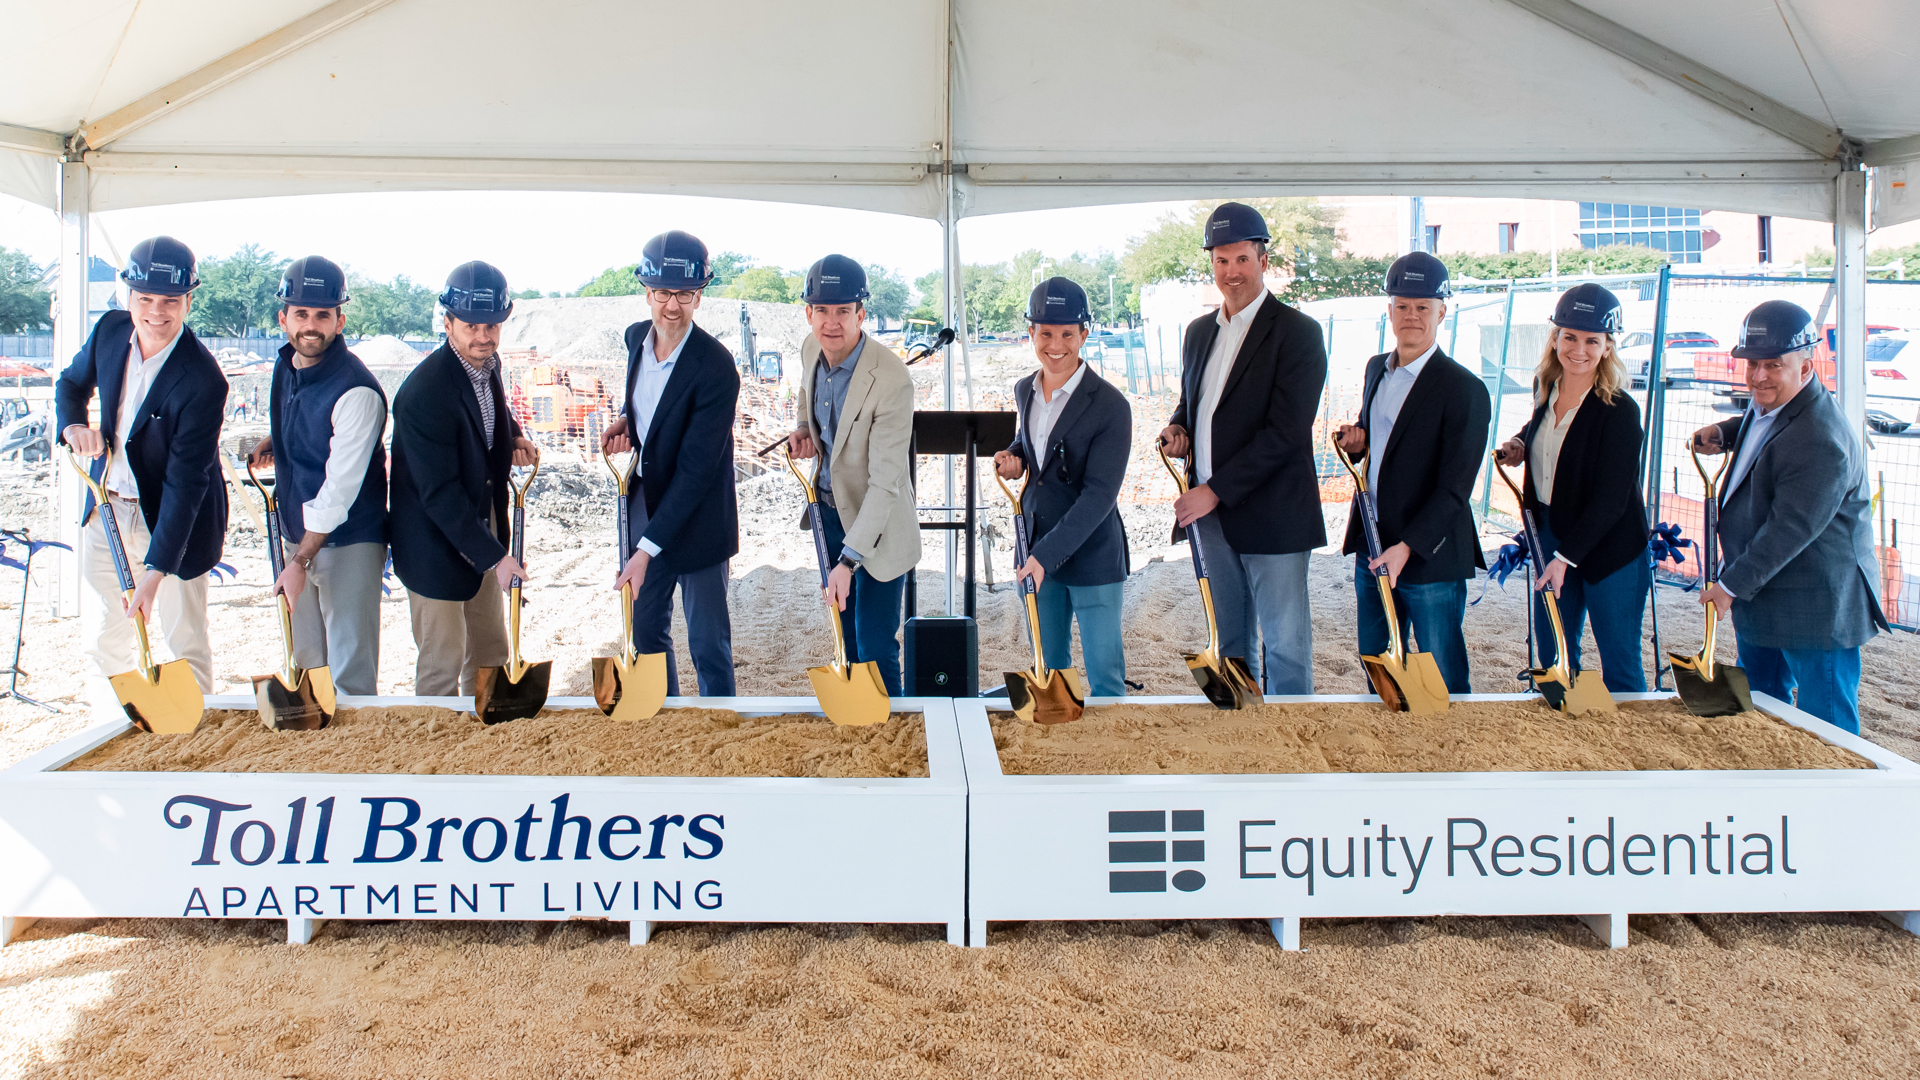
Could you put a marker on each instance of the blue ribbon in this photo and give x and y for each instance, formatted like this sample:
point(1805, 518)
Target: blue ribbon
point(33, 548)
point(386, 576)
point(1664, 544)
point(222, 571)
point(1510, 559)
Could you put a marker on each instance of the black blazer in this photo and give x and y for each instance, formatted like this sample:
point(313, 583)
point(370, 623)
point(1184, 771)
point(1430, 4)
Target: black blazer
point(1263, 443)
point(1073, 483)
point(1426, 476)
point(1597, 516)
point(686, 455)
point(173, 449)
point(448, 487)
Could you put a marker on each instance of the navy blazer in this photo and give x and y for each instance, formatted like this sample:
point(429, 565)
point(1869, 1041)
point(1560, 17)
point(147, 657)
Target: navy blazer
point(1071, 501)
point(1263, 445)
point(173, 449)
point(448, 488)
point(686, 454)
point(1595, 510)
point(1427, 471)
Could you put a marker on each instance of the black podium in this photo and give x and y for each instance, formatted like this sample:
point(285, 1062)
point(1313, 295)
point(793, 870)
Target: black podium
point(942, 656)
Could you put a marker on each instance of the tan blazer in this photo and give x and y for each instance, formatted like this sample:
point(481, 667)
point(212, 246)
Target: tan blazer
point(872, 483)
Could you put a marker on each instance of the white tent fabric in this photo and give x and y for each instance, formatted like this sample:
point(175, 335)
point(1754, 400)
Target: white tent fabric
point(1050, 102)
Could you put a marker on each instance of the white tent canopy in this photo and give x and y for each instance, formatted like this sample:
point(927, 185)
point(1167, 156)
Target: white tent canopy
point(1043, 102)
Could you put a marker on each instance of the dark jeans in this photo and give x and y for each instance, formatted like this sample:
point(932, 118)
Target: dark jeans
point(871, 623)
point(1617, 604)
point(703, 598)
point(1828, 680)
point(1435, 613)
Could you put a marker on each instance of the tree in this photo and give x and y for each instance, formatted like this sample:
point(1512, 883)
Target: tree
point(1909, 255)
point(614, 281)
point(238, 293)
point(398, 307)
point(727, 266)
point(888, 294)
point(25, 303)
point(1613, 259)
point(1327, 276)
point(528, 294)
point(1301, 228)
point(763, 283)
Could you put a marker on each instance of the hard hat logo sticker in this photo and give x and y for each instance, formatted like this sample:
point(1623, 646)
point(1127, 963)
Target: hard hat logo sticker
point(1132, 851)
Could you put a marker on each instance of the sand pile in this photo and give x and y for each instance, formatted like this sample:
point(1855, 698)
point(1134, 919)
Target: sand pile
point(1473, 736)
point(592, 329)
point(427, 741)
point(389, 351)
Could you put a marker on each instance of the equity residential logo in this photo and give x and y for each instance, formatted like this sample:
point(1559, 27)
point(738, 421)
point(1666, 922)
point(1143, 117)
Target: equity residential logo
point(1136, 849)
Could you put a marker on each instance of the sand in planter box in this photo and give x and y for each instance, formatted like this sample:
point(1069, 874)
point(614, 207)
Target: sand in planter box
point(424, 740)
point(1475, 736)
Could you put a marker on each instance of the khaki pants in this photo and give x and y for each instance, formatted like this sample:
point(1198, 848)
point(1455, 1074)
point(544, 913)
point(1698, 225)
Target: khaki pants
point(179, 607)
point(336, 624)
point(456, 638)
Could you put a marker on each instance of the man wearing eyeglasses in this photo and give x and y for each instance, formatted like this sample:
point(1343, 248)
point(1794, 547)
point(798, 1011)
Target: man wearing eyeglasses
point(684, 524)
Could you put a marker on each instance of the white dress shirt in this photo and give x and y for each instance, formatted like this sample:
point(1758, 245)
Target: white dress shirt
point(1544, 454)
point(359, 419)
point(1042, 413)
point(648, 384)
point(1213, 380)
point(1388, 398)
point(133, 394)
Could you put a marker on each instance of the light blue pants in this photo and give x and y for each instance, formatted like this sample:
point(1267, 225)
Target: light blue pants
point(1261, 601)
point(1823, 682)
point(1098, 609)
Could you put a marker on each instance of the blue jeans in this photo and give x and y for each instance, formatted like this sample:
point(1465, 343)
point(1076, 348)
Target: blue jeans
point(1098, 609)
point(1261, 602)
point(703, 599)
point(1617, 604)
point(871, 623)
point(1828, 680)
point(1435, 613)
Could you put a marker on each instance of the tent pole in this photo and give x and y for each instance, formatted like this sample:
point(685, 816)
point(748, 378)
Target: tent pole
point(69, 334)
point(1850, 295)
point(951, 288)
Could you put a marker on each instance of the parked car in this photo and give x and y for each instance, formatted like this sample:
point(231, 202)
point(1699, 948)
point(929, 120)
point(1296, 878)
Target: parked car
point(1893, 381)
point(1730, 372)
point(1636, 351)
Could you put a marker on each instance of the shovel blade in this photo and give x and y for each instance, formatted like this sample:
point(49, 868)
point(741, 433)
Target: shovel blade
point(1416, 686)
point(1059, 700)
point(633, 691)
point(1725, 694)
point(169, 705)
point(498, 697)
point(1588, 694)
point(308, 704)
point(855, 698)
point(1241, 676)
point(1215, 677)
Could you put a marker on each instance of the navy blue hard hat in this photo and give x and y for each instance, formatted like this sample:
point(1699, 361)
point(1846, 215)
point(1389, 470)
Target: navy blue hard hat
point(1775, 328)
point(1058, 301)
point(674, 260)
point(313, 282)
point(1233, 222)
point(1420, 276)
point(161, 266)
point(1590, 308)
point(477, 293)
point(835, 279)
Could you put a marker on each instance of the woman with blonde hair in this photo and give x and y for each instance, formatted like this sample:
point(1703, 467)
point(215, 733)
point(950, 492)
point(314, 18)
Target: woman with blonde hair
point(1581, 450)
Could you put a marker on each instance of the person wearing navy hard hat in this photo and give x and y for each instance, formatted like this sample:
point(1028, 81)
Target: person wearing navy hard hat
point(454, 444)
point(683, 521)
point(1581, 453)
point(856, 411)
point(156, 452)
point(326, 415)
point(1251, 376)
point(1799, 573)
point(1422, 431)
point(1076, 433)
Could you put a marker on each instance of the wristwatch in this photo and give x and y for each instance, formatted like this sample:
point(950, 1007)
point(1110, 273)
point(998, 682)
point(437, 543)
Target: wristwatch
point(305, 561)
point(849, 561)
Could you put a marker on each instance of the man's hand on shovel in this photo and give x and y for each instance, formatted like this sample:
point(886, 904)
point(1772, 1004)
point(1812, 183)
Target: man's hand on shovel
point(1395, 560)
point(524, 454)
point(141, 605)
point(1721, 599)
point(291, 583)
point(506, 570)
point(839, 587)
point(634, 574)
point(1031, 569)
point(1552, 576)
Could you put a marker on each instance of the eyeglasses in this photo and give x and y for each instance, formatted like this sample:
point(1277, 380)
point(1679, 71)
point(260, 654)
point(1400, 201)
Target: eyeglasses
point(674, 296)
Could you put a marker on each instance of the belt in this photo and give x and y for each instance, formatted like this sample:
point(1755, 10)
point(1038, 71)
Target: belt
point(826, 498)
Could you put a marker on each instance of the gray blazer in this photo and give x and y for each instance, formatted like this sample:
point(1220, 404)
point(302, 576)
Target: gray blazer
point(1799, 556)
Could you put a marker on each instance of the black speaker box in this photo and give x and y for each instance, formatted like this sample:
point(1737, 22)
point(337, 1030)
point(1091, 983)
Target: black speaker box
point(942, 657)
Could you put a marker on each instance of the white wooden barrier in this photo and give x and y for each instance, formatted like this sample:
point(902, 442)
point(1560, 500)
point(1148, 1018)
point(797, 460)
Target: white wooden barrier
point(308, 847)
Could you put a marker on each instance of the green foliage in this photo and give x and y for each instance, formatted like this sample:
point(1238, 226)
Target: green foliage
point(1616, 259)
point(996, 294)
point(1910, 255)
point(614, 281)
point(1328, 276)
point(930, 288)
point(764, 283)
point(528, 294)
point(1171, 251)
point(25, 303)
point(727, 266)
point(398, 307)
point(888, 299)
point(238, 293)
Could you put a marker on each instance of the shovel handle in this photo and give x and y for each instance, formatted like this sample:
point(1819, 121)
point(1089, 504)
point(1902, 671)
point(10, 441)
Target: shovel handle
point(1193, 534)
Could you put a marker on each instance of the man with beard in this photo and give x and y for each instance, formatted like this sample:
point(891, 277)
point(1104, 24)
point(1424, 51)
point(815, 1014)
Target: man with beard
point(327, 415)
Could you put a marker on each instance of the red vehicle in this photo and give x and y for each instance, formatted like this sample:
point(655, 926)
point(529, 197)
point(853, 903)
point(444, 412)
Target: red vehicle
point(1727, 370)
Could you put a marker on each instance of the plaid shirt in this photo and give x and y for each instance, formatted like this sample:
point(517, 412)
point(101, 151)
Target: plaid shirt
point(482, 379)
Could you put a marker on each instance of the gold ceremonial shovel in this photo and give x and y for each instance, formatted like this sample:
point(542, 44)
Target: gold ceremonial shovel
point(852, 695)
point(161, 698)
point(1406, 681)
point(290, 699)
point(1569, 691)
point(1225, 680)
point(1039, 695)
point(1706, 688)
point(519, 690)
point(630, 686)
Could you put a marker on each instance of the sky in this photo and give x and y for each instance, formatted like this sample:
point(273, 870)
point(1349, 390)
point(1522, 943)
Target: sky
point(558, 241)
